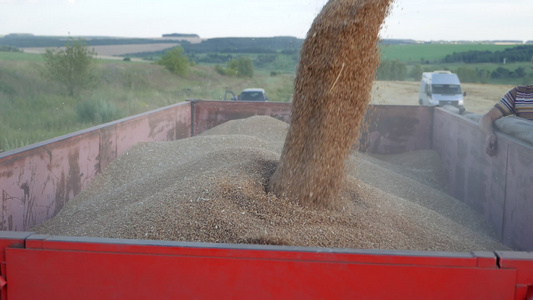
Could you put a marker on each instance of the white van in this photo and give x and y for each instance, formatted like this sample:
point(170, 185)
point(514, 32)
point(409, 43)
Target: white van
point(441, 88)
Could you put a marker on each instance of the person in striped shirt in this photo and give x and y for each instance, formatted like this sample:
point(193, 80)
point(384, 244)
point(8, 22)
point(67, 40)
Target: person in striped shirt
point(518, 102)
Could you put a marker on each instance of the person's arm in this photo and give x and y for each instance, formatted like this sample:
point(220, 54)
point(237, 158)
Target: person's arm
point(486, 124)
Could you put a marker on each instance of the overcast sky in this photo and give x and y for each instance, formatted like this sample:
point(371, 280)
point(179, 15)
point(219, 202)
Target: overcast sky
point(409, 19)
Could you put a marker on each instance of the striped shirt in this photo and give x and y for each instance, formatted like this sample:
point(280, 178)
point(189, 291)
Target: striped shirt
point(518, 102)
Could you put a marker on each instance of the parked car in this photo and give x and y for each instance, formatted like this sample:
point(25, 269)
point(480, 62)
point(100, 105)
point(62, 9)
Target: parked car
point(252, 95)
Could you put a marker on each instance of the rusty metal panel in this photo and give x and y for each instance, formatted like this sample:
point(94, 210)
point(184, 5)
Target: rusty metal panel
point(151, 127)
point(81, 268)
point(387, 129)
point(165, 124)
point(393, 129)
point(108, 146)
point(183, 127)
point(208, 114)
point(37, 180)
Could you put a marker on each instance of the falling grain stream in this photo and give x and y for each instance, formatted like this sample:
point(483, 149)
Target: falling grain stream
point(333, 83)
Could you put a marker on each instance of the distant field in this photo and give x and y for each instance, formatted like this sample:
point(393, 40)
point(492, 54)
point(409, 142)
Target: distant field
point(19, 56)
point(417, 53)
point(432, 52)
point(116, 50)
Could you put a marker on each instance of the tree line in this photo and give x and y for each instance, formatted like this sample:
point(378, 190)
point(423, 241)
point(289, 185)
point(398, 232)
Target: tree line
point(400, 71)
point(522, 53)
point(26, 41)
point(188, 35)
point(468, 72)
point(245, 45)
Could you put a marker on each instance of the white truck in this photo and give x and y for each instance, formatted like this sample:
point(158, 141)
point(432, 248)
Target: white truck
point(440, 88)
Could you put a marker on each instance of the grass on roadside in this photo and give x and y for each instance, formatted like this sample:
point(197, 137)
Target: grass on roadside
point(33, 109)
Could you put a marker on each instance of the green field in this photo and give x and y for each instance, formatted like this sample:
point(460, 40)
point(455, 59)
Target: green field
point(417, 53)
point(20, 56)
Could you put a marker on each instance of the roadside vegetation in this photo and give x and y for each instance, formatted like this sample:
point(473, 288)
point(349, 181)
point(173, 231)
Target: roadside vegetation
point(241, 67)
point(36, 104)
point(34, 109)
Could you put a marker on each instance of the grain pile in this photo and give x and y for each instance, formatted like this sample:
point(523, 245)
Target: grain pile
point(211, 188)
point(333, 83)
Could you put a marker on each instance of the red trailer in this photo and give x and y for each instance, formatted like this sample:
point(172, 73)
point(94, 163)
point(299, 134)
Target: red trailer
point(36, 181)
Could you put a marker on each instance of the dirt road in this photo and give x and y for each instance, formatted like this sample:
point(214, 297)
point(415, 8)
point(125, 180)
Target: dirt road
point(479, 97)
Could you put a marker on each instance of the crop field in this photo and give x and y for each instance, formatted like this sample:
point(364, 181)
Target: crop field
point(19, 56)
point(116, 50)
point(431, 52)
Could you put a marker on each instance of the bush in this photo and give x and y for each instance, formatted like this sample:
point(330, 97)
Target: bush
point(392, 70)
point(264, 60)
point(416, 72)
point(225, 71)
point(175, 61)
point(71, 66)
point(97, 111)
point(470, 75)
point(4, 48)
point(241, 67)
point(244, 67)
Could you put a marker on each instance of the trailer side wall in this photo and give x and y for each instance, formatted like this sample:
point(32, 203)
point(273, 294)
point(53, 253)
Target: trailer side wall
point(88, 268)
point(499, 187)
point(36, 181)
